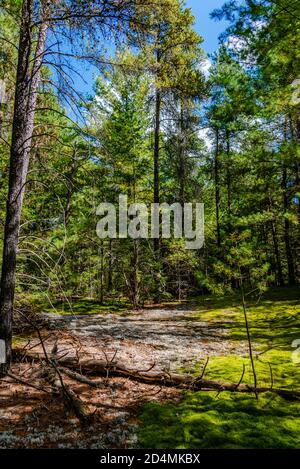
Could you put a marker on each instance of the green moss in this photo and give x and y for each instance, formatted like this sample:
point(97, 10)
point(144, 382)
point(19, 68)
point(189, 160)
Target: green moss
point(203, 420)
point(273, 367)
point(87, 306)
point(232, 420)
point(274, 319)
point(20, 339)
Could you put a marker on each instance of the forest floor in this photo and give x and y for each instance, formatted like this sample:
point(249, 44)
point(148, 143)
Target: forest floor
point(173, 337)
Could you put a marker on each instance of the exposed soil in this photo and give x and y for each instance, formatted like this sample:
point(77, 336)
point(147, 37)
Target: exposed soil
point(166, 338)
point(170, 338)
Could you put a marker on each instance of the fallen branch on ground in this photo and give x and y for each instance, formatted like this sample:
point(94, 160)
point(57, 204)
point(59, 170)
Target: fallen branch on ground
point(81, 378)
point(26, 383)
point(71, 400)
point(181, 381)
point(53, 376)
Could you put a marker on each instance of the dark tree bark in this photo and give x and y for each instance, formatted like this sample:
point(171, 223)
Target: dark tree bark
point(288, 249)
point(101, 273)
point(110, 267)
point(286, 206)
point(228, 175)
point(182, 155)
point(156, 182)
point(279, 273)
point(280, 280)
point(70, 191)
point(295, 138)
point(217, 189)
point(156, 197)
point(27, 82)
point(134, 281)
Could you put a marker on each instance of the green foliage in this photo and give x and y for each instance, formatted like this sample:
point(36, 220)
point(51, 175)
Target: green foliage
point(250, 163)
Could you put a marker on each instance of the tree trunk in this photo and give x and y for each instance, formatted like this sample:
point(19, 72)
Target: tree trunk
point(279, 274)
point(110, 267)
point(295, 133)
point(182, 152)
point(135, 287)
point(156, 197)
point(101, 273)
point(289, 255)
point(295, 137)
point(228, 177)
point(27, 82)
point(280, 280)
point(217, 189)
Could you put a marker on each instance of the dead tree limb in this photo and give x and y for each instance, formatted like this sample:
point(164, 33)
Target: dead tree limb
point(26, 383)
point(71, 400)
point(54, 377)
point(181, 381)
point(81, 378)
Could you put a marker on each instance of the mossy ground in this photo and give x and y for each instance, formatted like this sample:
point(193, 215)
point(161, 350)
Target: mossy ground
point(87, 306)
point(232, 420)
point(203, 420)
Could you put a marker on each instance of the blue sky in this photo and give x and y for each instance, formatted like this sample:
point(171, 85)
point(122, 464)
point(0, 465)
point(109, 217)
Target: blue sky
point(209, 29)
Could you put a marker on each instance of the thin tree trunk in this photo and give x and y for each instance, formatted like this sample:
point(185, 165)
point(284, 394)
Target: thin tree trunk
point(228, 176)
point(67, 210)
point(248, 333)
point(156, 194)
point(279, 273)
point(277, 253)
point(295, 137)
point(134, 275)
point(217, 189)
point(182, 151)
point(289, 255)
point(156, 197)
point(27, 82)
point(110, 267)
point(1, 120)
point(295, 134)
point(286, 206)
point(101, 273)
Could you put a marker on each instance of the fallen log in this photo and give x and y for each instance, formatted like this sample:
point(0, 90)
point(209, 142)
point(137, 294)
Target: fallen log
point(181, 381)
point(54, 377)
point(81, 378)
point(71, 400)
